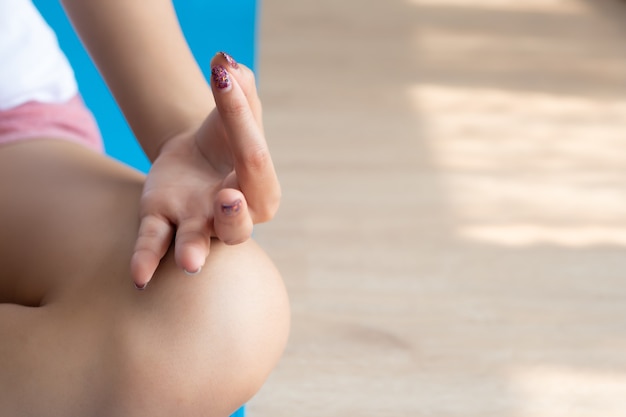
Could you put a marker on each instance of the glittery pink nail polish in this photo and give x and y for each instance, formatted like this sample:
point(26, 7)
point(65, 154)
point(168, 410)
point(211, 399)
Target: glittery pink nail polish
point(232, 209)
point(231, 61)
point(220, 77)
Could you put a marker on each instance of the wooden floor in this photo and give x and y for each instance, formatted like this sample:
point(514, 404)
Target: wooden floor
point(453, 228)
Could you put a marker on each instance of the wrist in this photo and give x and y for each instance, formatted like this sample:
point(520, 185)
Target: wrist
point(180, 121)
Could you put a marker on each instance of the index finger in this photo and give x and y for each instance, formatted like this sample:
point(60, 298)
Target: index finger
point(253, 163)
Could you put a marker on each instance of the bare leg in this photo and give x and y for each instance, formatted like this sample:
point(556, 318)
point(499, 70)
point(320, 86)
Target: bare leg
point(76, 338)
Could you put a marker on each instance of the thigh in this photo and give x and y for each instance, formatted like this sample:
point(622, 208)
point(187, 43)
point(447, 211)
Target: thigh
point(66, 223)
point(46, 362)
point(79, 339)
point(66, 213)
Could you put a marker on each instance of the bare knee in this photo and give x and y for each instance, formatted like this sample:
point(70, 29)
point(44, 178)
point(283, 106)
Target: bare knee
point(201, 345)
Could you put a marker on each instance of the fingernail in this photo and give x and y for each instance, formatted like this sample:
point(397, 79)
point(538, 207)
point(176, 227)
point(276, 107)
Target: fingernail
point(141, 288)
point(232, 209)
point(231, 61)
point(220, 77)
point(196, 272)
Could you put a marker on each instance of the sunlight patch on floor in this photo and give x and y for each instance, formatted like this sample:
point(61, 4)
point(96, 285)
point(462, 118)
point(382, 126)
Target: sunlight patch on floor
point(478, 129)
point(560, 6)
point(521, 235)
point(566, 392)
point(521, 168)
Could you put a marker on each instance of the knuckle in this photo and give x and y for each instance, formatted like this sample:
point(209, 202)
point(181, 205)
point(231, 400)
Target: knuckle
point(151, 198)
point(153, 228)
point(193, 223)
point(192, 236)
point(256, 159)
point(235, 110)
point(147, 235)
point(147, 250)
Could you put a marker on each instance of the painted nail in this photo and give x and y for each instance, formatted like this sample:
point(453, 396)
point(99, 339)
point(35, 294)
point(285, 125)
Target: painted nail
point(232, 209)
point(141, 288)
point(196, 272)
point(220, 77)
point(231, 61)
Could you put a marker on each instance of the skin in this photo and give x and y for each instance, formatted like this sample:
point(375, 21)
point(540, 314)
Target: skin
point(208, 150)
point(78, 229)
point(76, 337)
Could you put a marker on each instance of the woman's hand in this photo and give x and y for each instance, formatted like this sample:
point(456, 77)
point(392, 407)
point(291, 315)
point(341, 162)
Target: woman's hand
point(211, 178)
point(216, 179)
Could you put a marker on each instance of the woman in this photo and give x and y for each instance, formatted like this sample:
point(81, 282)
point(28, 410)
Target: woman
point(77, 338)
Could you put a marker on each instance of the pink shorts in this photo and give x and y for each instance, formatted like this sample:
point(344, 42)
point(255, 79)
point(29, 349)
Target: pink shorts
point(70, 121)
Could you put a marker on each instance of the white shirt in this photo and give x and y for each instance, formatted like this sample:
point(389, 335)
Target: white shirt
point(32, 66)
